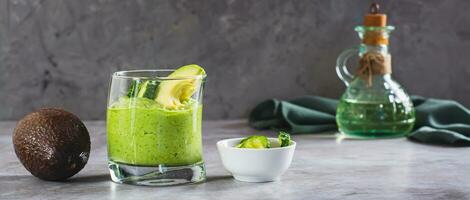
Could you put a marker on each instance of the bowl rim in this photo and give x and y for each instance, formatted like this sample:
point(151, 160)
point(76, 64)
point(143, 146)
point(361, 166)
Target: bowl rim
point(221, 144)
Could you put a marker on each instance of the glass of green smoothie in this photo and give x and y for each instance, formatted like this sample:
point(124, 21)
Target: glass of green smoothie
point(154, 126)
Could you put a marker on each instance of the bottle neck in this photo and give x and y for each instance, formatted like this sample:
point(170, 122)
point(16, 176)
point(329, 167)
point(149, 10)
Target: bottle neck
point(364, 48)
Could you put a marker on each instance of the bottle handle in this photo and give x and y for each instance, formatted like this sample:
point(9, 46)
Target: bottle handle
point(341, 68)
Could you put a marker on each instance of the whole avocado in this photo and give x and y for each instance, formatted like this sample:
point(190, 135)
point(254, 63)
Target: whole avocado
point(52, 144)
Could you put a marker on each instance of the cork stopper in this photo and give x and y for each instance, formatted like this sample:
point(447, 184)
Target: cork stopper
point(378, 20)
point(374, 18)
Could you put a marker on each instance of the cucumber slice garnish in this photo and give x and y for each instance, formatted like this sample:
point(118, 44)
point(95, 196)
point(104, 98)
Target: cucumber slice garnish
point(255, 142)
point(134, 88)
point(283, 139)
point(148, 90)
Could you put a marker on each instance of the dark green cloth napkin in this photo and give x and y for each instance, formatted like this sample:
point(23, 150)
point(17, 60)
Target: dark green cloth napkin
point(442, 122)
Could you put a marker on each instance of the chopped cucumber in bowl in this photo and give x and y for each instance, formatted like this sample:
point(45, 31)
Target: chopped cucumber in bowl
point(262, 142)
point(255, 142)
point(284, 139)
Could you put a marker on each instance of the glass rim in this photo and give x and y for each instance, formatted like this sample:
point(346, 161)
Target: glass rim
point(124, 74)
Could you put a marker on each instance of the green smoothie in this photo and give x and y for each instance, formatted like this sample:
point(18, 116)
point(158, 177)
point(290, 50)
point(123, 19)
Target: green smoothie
point(141, 132)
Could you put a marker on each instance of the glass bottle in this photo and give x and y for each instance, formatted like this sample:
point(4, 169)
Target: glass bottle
point(373, 105)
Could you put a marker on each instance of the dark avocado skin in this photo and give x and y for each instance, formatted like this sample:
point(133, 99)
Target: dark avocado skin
point(52, 144)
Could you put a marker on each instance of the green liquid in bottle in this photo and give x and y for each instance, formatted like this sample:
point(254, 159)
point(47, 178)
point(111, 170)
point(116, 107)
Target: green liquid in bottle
point(374, 119)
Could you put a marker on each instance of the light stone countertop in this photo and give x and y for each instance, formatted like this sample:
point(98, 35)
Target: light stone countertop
point(323, 168)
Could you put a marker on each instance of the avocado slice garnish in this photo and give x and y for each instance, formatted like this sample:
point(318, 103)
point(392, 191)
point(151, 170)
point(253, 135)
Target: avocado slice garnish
point(180, 86)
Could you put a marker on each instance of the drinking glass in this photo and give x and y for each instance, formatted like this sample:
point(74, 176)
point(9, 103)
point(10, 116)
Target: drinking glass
point(148, 143)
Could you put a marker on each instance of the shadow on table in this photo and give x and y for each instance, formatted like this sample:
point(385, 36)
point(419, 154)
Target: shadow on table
point(90, 179)
point(217, 178)
point(79, 179)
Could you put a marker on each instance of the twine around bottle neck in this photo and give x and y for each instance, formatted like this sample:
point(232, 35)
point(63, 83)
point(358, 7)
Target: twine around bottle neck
point(373, 63)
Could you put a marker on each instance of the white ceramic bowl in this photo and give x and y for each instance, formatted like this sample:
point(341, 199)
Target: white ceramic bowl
point(255, 165)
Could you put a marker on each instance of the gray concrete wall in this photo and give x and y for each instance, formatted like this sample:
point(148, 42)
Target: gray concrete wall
point(62, 52)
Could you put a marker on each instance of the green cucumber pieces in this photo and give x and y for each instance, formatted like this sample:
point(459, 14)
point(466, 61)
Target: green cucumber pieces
point(255, 142)
point(283, 139)
point(134, 88)
point(148, 90)
point(262, 142)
